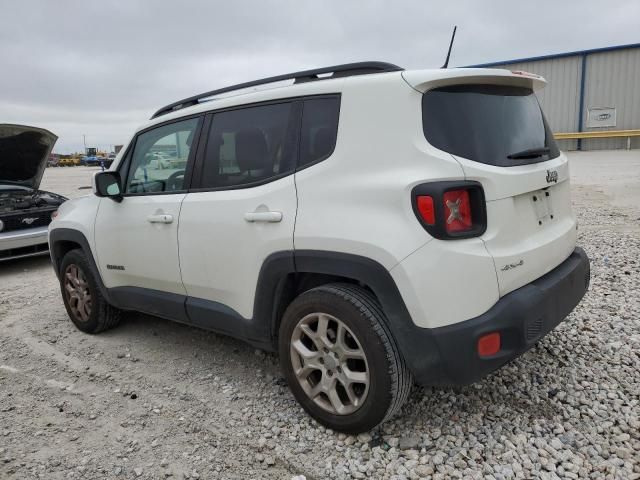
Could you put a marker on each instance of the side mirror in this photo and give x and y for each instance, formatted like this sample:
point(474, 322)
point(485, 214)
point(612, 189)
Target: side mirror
point(108, 184)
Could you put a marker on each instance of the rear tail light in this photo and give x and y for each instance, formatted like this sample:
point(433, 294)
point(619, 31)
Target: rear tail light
point(451, 210)
point(457, 211)
point(426, 209)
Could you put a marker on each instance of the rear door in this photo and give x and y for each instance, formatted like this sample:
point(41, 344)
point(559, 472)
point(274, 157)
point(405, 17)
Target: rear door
point(500, 137)
point(242, 207)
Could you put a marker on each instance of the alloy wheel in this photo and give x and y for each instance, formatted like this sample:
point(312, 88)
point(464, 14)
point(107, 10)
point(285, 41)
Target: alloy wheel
point(77, 291)
point(329, 363)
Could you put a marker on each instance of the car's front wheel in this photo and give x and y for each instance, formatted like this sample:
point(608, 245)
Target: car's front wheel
point(340, 359)
point(87, 308)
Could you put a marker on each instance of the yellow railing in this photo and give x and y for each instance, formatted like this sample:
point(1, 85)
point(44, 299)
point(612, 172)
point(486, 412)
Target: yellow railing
point(599, 134)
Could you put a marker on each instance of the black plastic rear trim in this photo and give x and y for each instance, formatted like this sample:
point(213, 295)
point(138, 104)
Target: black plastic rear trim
point(439, 356)
point(522, 318)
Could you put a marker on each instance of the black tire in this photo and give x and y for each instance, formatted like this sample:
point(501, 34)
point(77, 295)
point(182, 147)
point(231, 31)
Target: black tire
point(101, 315)
point(390, 381)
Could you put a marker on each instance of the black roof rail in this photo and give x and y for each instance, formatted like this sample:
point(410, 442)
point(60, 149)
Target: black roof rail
point(346, 70)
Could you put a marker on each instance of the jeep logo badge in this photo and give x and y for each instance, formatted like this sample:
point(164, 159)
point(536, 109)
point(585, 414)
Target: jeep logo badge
point(552, 176)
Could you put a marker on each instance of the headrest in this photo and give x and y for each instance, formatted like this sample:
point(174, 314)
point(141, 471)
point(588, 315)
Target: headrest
point(251, 149)
point(322, 143)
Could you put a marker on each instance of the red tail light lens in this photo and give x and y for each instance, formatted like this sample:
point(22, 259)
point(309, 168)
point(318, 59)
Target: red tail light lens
point(457, 211)
point(450, 209)
point(426, 209)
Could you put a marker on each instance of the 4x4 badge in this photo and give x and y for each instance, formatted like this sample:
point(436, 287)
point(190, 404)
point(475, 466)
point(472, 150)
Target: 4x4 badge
point(510, 266)
point(552, 176)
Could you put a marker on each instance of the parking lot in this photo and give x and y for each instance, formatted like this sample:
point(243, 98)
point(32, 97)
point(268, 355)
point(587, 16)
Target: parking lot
point(155, 399)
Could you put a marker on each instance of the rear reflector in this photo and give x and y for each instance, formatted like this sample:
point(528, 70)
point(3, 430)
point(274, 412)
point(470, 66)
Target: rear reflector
point(425, 207)
point(489, 344)
point(457, 211)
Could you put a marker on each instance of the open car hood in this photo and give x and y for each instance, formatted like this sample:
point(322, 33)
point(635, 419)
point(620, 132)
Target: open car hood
point(24, 152)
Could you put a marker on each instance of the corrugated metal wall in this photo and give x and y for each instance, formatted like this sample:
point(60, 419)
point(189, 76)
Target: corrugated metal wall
point(612, 80)
point(560, 99)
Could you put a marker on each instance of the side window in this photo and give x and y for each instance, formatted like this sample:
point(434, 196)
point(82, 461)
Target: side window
point(249, 145)
point(160, 158)
point(319, 129)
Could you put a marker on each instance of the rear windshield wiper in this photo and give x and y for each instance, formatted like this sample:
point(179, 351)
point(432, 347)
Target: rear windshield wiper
point(530, 153)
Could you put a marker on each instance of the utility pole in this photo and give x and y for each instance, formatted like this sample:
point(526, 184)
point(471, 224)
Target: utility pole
point(84, 140)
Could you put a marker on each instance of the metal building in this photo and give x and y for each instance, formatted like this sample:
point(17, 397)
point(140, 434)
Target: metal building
point(588, 90)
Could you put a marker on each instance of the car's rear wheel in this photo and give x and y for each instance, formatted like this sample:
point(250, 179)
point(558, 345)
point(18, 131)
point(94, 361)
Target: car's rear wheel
point(340, 360)
point(86, 307)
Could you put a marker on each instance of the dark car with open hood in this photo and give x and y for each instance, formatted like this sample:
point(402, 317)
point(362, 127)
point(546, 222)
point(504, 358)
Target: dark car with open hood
point(25, 211)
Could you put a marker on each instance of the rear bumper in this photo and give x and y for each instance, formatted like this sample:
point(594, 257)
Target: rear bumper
point(23, 243)
point(522, 317)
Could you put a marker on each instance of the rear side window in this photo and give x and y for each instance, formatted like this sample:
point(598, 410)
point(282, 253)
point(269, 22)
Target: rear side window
point(319, 129)
point(492, 124)
point(249, 145)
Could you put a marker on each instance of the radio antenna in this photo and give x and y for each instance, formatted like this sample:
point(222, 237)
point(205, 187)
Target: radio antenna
point(446, 62)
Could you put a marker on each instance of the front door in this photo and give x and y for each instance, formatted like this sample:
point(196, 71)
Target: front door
point(137, 239)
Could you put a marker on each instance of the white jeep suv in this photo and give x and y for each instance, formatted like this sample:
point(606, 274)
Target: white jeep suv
point(375, 226)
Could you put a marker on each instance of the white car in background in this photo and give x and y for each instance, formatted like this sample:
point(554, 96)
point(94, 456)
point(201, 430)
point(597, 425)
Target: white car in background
point(374, 226)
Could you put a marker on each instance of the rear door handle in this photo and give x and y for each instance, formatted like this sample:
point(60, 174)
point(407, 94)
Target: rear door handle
point(160, 218)
point(270, 217)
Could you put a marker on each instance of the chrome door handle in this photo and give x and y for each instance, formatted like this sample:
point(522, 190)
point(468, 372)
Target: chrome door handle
point(160, 218)
point(270, 217)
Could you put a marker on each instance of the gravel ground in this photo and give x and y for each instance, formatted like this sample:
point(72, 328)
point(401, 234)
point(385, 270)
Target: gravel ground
point(155, 399)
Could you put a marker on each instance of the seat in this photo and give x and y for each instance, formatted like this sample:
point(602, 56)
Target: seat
point(252, 153)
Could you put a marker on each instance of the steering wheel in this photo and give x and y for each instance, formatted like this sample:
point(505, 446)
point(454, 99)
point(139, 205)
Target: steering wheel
point(175, 181)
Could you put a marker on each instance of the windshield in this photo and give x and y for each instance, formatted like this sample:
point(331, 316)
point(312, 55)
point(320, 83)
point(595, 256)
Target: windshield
point(493, 124)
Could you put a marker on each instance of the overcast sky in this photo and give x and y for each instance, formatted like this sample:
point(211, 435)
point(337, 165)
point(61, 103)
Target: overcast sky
point(101, 68)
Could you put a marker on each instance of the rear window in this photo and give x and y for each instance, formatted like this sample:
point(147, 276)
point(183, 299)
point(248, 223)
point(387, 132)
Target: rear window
point(492, 124)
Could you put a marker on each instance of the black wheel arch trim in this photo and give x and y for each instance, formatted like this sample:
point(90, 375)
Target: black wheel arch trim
point(419, 356)
point(435, 356)
point(58, 237)
point(199, 312)
point(276, 270)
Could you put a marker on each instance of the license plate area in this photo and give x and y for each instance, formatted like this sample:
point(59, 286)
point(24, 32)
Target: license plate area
point(542, 205)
